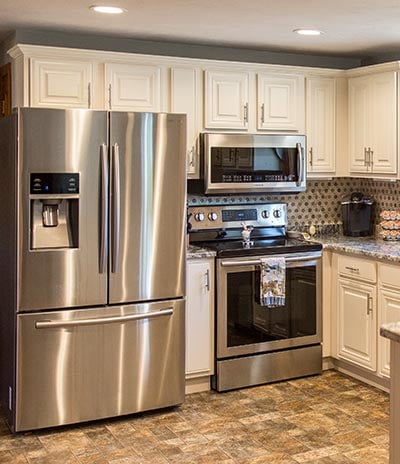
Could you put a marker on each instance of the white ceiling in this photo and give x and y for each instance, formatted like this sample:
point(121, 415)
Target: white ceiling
point(357, 28)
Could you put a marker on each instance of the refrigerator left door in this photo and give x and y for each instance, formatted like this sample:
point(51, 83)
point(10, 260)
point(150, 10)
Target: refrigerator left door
point(62, 201)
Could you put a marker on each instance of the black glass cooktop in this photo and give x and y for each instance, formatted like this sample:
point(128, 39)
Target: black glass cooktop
point(280, 245)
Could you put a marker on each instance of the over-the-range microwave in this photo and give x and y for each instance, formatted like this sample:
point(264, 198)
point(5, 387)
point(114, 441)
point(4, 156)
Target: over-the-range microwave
point(251, 163)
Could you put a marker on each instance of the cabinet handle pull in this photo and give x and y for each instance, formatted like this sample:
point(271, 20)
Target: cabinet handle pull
point(353, 269)
point(365, 157)
point(246, 113)
point(89, 96)
point(369, 305)
point(207, 280)
point(191, 162)
point(262, 113)
point(311, 156)
point(371, 157)
point(109, 97)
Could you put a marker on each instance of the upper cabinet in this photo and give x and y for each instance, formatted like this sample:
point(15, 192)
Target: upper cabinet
point(226, 100)
point(132, 87)
point(185, 97)
point(373, 123)
point(320, 125)
point(60, 83)
point(280, 100)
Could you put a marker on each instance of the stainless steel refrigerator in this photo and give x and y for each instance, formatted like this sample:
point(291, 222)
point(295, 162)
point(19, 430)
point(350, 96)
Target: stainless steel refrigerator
point(92, 264)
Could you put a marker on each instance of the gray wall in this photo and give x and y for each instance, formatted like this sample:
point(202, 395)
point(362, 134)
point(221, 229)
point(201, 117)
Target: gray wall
point(120, 44)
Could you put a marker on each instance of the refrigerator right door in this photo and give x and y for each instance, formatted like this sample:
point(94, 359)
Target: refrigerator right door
point(148, 206)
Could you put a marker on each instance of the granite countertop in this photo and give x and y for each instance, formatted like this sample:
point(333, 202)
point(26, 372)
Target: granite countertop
point(391, 331)
point(195, 252)
point(366, 246)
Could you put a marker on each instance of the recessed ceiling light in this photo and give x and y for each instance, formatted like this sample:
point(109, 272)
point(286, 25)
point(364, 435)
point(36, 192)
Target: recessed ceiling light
point(107, 9)
point(308, 31)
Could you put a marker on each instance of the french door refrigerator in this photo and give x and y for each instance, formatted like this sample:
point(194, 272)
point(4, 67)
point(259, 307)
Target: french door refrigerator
point(92, 264)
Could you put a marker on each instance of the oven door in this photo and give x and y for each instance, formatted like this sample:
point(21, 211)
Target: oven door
point(245, 327)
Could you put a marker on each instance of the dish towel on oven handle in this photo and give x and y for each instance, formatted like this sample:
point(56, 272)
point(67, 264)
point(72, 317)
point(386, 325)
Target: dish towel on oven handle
point(272, 282)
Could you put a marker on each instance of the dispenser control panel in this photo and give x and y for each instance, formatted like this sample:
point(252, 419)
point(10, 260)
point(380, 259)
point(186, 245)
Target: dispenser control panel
point(51, 183)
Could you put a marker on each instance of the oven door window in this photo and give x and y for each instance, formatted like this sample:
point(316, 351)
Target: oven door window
point(261, 164)
point(250, 323)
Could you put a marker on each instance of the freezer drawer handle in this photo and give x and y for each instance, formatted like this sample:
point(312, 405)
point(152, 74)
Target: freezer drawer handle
point(102, 320)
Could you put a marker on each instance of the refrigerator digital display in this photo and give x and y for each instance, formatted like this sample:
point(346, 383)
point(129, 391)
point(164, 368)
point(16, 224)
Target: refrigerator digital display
point(49, 183)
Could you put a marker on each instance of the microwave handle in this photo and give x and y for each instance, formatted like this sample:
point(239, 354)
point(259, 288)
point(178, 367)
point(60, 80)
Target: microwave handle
point(299, 164)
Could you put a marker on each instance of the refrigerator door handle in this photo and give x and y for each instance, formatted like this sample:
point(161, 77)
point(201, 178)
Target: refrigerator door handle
point(104, 209)
point(116, 208)
point(102, 320)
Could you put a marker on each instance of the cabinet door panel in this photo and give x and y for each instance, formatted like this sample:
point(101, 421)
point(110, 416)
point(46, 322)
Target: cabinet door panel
point(226, 100)
point(57, 84)
point(133, 87)
point(357, 323)
point(321, 124)
point(185, 93)
point(358, 123)
point(389, 307)
point(200, 319)
point(281, 102)
point(383, 127)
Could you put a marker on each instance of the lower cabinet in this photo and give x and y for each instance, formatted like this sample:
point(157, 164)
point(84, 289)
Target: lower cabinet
point(357, 323)
point(367, 296)
point(199, 324)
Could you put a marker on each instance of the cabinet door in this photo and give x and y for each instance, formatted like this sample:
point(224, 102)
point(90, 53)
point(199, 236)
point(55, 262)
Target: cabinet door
point(60, 84)
point(320, 123)
point(226, 100)
point(280, 102)
point(357, 323)
point(389, 311)
point(359, 139)
point(200, 318)
point(185, 94)
point(383, 127)
point(133, 87)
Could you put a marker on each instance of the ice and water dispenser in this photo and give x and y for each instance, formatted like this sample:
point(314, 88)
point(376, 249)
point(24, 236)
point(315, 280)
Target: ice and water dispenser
point(54, 202)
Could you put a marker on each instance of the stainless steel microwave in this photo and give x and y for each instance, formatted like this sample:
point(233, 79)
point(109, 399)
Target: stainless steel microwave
point(245, 163)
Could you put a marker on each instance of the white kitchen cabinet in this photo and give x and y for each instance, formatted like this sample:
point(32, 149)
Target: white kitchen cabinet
point(389, 310)
point(200, 319)
point(373, 123)
point(185, 97)
point(57, 83)
point(133, 87)
point(320, 125)
point(280, 102)
point(226, 99)
point(357, 323)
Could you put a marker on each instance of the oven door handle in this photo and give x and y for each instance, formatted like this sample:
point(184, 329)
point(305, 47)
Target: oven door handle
point(255, 262)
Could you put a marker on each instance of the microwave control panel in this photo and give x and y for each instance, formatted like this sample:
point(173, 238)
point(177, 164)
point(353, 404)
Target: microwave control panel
point(228, 217)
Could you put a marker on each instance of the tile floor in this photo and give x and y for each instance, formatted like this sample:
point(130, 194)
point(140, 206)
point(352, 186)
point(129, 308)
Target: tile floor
point(322, 419)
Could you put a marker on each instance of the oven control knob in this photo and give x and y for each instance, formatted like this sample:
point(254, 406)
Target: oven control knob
point(199, 217)
point(277, 213)
point(212, 216)
point(265, 214)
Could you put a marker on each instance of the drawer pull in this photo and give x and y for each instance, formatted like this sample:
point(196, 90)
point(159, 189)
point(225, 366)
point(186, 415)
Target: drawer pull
point(353, 269)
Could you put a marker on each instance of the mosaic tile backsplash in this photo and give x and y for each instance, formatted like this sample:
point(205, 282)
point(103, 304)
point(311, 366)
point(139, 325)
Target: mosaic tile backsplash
point(320, 203)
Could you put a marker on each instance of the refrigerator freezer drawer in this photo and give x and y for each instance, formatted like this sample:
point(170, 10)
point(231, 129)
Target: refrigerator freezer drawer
point(75, 366)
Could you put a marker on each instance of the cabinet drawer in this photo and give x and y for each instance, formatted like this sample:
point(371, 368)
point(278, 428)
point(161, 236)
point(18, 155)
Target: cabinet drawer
point(390, 275)
point(357, 268)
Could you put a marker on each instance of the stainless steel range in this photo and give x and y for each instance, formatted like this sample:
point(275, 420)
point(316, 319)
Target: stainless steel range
point(255, 343)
